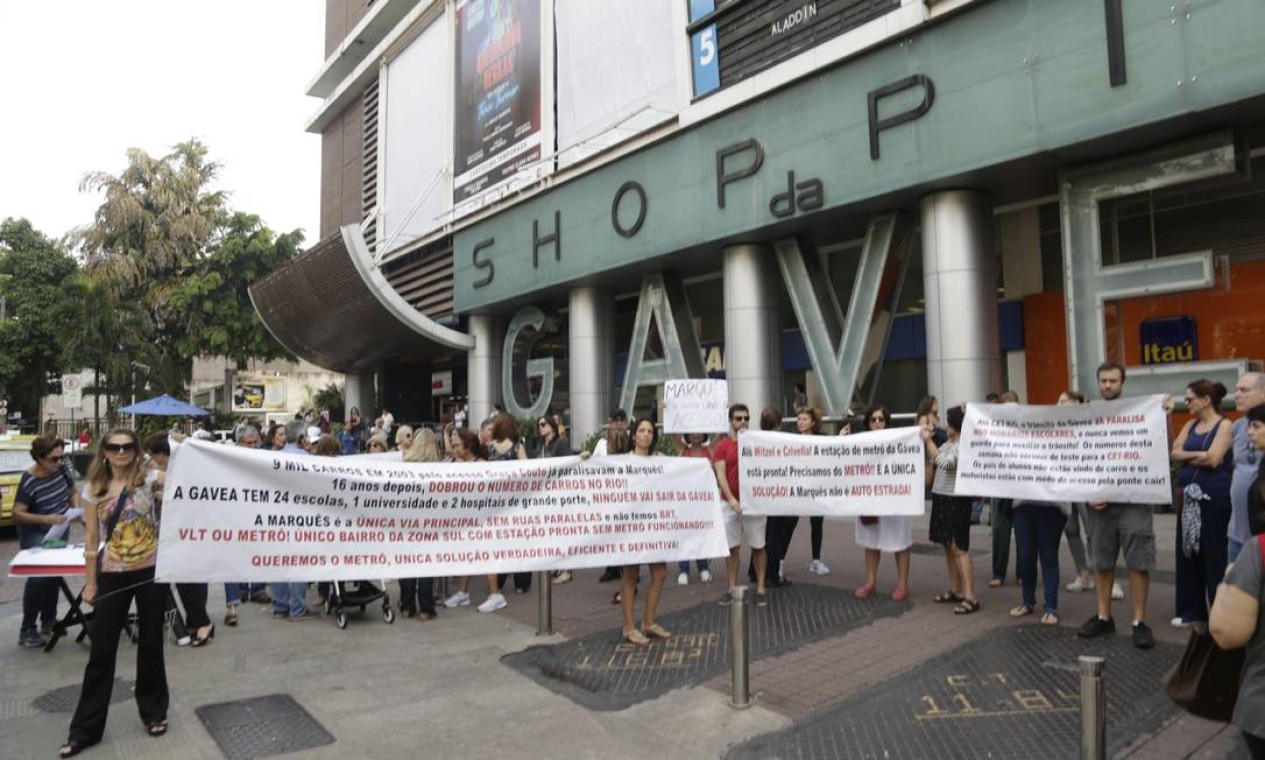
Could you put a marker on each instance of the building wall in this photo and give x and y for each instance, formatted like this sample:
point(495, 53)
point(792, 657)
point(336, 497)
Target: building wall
point(341, 16)
point(342, 165)
point(1229, 324)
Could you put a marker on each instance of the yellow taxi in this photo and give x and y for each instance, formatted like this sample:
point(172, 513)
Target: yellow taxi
point(15, 457)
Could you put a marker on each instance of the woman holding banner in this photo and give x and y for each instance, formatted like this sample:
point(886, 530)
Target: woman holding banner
point(891, 533)
point(121, 513)
point(782, 529)
point(1203, 528)
point(465, 447)
point(417, 595)
point(951, 518)
point(644, 437)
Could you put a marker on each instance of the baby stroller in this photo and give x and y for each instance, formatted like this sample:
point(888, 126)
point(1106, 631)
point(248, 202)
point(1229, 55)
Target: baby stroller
point(345, 595)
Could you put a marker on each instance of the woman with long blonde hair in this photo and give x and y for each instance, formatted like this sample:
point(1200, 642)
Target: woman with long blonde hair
point(122, 514)
point(417, 595)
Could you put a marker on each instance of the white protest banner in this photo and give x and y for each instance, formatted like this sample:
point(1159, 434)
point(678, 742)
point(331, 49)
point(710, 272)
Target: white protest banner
point(231, 513)
point(879, 472)
point(695, 406)
point(1100, 451)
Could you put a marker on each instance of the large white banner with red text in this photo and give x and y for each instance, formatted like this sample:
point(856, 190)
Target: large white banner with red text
point(875, 473)
point(1100, 451)
point(232, 514)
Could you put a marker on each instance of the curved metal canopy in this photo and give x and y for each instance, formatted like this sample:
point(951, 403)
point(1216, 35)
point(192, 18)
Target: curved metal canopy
point(333, 307)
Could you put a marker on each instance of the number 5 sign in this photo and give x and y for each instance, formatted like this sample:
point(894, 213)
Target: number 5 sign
point(705, 61)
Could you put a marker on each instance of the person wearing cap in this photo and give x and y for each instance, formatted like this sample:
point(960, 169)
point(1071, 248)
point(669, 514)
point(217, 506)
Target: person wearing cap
point(618, 422)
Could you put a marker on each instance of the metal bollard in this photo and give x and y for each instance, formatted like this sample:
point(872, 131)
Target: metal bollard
point(741, 632)
point(1093, 709)
point(544, 604)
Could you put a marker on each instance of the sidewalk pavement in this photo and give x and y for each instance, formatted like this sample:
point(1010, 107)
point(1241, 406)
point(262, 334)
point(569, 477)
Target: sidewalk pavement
point(439, 686)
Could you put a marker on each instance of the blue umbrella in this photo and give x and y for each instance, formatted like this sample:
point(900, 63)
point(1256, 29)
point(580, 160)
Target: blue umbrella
point(165, 406)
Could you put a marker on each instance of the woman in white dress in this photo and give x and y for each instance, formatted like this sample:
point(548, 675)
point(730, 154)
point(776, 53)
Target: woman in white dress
point(884, 534)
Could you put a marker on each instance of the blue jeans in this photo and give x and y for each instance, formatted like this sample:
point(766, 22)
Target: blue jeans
point(1038, 531)
point(234, 592)
point(39, 596)
point(1233, 549)
point(289, 598)
point(684, 565)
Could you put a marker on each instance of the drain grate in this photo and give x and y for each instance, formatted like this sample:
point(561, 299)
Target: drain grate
point(262, 727)
point(66, 698)
point(602, 672)
point(1013, 693)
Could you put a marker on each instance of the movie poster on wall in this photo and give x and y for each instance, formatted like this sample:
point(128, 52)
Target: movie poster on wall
point(498, 95)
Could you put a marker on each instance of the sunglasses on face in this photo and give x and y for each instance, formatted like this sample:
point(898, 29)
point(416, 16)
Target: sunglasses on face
point(878, 418)
point(120, 448)
point(542, 424)
point(742, 418)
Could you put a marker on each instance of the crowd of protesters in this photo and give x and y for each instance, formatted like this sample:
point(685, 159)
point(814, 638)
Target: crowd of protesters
point(1221, 501)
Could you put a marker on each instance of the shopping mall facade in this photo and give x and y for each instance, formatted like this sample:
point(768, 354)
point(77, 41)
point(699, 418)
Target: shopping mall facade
point(558, 205)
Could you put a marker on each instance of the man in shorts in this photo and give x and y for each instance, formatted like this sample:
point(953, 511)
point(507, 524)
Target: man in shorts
point(1116, 529)
point(738, 525)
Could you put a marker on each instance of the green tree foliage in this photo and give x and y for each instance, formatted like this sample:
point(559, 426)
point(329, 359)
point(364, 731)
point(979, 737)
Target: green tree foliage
point(213, 299)
point(107, 334)
point(32, 269)
point(165, 250)
point(157, 220)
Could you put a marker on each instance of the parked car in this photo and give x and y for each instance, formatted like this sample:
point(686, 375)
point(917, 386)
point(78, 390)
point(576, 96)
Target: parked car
point(15, 457)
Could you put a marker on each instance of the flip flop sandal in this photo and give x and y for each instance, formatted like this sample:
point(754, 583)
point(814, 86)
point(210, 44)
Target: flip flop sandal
point(1021, 611)
point(1049, 618)
point(636, 637)
point(657, 631)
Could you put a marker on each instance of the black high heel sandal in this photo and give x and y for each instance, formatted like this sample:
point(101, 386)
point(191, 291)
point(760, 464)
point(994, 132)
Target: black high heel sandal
point(73, 747)
point(201, 641)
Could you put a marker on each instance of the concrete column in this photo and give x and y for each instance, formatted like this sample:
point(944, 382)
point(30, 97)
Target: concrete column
point(358, 392)
point(960, 284)
point(483, 368)
point(592, 360)
point(753, 334)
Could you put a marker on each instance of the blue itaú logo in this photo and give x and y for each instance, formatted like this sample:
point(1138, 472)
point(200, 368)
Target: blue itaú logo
point(705, 60)
point(1166, 340)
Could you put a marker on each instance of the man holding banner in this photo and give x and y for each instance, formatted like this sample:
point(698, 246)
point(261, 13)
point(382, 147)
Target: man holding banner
point(738, 525)
point(1116, 528)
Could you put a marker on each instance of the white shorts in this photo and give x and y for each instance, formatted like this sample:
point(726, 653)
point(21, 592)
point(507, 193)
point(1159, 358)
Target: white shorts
point(749, 527)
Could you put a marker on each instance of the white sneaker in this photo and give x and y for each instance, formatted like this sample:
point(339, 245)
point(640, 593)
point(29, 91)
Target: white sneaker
point(705, 576)
point(562, 577)
point(459, 599)
point(683, 579)
point(1080, 584)
point(817, 567)
point(1116, 591)
point(1179, 623)
point(495, 602)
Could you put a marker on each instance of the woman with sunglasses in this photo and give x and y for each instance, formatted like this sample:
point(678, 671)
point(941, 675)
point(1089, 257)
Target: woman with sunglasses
point(377, 445)
point(46, 493)
point(121, 514)
point(1202, 448)
point(891, 533)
